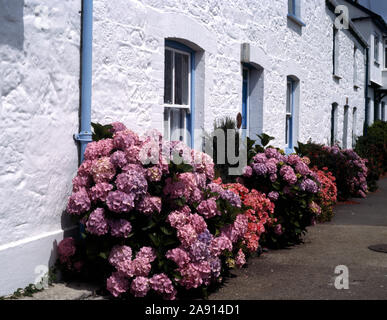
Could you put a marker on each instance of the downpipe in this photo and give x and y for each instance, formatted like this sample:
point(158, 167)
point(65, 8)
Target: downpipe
point(85, 135)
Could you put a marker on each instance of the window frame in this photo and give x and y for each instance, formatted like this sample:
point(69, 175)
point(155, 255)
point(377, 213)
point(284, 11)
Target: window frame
point(376, 110)
point(354, 126)
point(376, 48)
point(355, 67)
point(294, 12)
point(385, 54)
point(345, 126)
point(245, 94)
point(174, 105)
point(334, 109)
point(289, 114)
point(335, 52)
point(177, 47)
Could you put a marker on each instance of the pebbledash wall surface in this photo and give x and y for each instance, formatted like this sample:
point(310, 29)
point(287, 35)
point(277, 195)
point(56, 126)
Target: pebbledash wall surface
point(39, 105)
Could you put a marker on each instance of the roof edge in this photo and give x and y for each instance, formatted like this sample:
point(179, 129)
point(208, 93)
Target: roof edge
point(332, 4)
point(379, 20)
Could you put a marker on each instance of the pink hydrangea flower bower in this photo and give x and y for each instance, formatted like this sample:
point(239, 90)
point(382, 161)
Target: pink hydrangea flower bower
point(148, 218)
point(292, 185)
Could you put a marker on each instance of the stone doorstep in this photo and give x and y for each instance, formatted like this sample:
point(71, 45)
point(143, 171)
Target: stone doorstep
point(67, 291)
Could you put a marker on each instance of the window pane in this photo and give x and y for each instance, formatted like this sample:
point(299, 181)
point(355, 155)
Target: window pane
point(385, 54)
point(177, 124)
point(245, 97)
point(288, 97)
point(385, 58)
point(354, 66)
point(287, 129)
point(166, 123)
point(376, 48)
point(168, 77)
point(335, 51)
point(333, 124)
point(181, 78)
point(345, 127)
point(354, 124)
point(375, 111)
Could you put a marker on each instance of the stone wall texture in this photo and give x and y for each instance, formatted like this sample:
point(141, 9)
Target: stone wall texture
point(39, 86)
point(128, 62)
point(39, 103)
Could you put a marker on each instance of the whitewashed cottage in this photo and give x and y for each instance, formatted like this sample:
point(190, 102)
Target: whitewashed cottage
point(170, 65)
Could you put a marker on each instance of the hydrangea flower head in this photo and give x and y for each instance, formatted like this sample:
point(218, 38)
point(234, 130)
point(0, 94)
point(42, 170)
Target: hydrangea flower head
point(97, 223)
point(79, 202)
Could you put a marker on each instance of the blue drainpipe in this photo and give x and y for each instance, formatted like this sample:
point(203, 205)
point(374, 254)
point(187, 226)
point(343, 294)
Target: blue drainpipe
point(85, 135)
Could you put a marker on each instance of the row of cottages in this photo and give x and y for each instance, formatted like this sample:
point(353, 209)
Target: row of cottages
point(373, 28)
point(174, 65)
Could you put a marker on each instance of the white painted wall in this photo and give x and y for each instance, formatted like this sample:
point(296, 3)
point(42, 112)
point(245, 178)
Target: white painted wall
point(129, 61)
point(39, 103)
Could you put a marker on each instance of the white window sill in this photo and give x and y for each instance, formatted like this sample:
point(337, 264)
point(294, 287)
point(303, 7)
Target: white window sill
point(296, 20)
point(177, 106)
point(289, 150)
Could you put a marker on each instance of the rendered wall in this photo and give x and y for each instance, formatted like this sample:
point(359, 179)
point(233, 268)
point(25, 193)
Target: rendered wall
point(129, 61)
point(39, 103)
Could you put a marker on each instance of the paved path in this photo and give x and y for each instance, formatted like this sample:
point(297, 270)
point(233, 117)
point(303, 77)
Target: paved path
point(307, 271)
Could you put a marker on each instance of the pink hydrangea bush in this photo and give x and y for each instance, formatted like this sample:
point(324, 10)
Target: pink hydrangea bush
point(288, 181)
point(349, 169)
point(68, 255)
point(154, 222)
point(259, 211)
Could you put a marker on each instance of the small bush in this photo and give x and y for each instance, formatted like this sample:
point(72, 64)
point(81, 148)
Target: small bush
point(155, 225)
point(292, 186)
point(374, 148)
point(248, 147)
point(260, 214)
point(211, 143)
point(346, 166)
point(327, 196)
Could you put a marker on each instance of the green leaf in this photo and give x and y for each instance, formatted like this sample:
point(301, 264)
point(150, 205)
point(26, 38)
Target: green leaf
point(154, 239)
point(149, 226)
point(169, 242)
point(101, 131)
point(265, 139)
point(166, 231)
point(184, 167)
point(103, 255)
point(180, 202)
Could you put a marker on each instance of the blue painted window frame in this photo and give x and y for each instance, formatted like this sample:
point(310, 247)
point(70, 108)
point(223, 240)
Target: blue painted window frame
point(290, 124)
point(333, 124)
point(294, 12)
point(190, 117)
point(245, 95)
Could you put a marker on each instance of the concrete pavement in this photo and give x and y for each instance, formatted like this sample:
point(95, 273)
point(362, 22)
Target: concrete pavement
point(307, 271)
